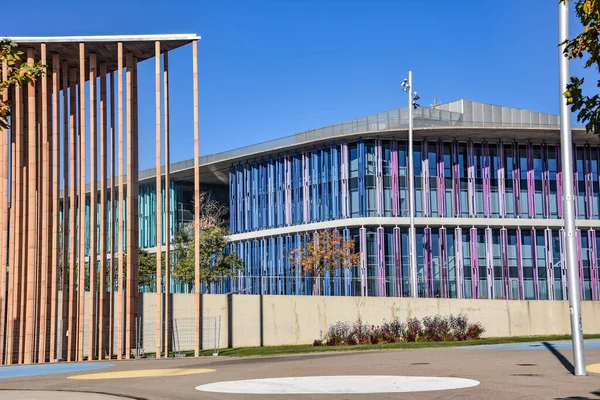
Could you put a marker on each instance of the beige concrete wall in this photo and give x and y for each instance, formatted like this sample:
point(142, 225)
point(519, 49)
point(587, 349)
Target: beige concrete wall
point(301, 319)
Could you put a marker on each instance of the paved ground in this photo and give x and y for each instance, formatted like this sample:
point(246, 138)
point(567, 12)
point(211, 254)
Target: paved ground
point(503, 373)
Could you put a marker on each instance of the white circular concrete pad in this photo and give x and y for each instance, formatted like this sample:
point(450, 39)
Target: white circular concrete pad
point(339, 385)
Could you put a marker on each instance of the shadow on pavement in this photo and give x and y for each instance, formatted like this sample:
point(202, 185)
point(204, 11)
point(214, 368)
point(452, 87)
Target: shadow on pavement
point(566, 363)
point(596, 395)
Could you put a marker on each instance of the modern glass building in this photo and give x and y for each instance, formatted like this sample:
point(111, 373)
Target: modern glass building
point(488, 205)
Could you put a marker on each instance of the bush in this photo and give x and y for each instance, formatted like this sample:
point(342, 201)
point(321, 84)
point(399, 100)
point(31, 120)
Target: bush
point(413, 330)
point(361, 332)
point(436, 329)
point(392, 331)
point(376, 335)
point(432, 329)
point(339, 333)
point(459, 326)
point(474, 331)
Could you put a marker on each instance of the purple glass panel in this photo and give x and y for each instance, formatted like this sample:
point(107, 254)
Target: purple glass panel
point(317, 284)
point(381, 262)
point(379, 175)
point(458, 259)
point(576, 183)
point(505, 269)
point(530, 181)
point(489, 260)
point(288, 190)
point(516, 178)
point(395, 186)
point(593, 263)
point(545, 182)
point(444, 262)
point(397, 262)
point(580, 264)
point(559, 189)
point(501, 180)
point(589, 210)
point(474, 263)
point(428, 261)
point(455, 180)
point(362, 238)
point(520, 264)
point(536, 282)
point(425, 179)
point(486, 179)
point(441, 187)
point(471, 178)
point(549, 263)
point(306, 186)
point(344, 175)
point(563, 264)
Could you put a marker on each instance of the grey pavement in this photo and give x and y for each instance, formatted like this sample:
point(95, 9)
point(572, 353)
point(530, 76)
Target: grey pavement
point(503, 374)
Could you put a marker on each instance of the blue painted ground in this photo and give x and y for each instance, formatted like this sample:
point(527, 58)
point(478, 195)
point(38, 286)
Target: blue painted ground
point(19, 371)
point(591, 344)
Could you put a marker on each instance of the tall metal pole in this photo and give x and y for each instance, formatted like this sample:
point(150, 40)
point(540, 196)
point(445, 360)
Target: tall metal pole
point(569, 202)
point(411, 195)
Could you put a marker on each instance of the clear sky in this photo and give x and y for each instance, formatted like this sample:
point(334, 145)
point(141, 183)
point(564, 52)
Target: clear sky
point(271, 68)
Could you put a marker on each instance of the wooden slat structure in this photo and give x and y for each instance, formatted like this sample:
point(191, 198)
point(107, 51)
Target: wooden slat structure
point(69, 199)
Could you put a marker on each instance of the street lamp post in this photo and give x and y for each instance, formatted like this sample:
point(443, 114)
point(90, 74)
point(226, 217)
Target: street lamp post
point(412, 96)
point(568, 199)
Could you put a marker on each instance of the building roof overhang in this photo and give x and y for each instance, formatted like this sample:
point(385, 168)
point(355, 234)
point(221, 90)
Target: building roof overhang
point(105, 47)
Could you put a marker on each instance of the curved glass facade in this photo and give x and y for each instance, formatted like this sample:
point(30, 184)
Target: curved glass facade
point(453, 179)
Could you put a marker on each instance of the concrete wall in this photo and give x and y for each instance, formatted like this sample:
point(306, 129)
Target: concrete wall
point(301, 319)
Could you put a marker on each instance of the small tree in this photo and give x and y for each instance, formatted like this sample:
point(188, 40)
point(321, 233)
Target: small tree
point(17, 74)
point(183, 256)
point(326, 252)
point(212, 212)
point(147, 267)
point(215, 262)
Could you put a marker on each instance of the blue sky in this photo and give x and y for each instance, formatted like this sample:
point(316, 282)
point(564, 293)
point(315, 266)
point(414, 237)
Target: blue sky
point(271, 68)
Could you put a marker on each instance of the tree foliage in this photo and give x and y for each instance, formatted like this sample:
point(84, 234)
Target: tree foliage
point(215, 261)
point(585, 46)
point(18, 73)
point(329, 250)
point(147, 267)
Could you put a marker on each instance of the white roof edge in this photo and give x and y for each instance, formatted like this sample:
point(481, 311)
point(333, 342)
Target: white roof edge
point(104, 38)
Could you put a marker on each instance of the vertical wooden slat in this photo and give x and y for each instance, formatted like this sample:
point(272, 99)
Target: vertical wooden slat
point(48, 221)
point(16, 229)
point(55, 202)
point(131, 257)
point(121, 199)
point(135, 232)
point(113, 220)
point(45, 206)
point(82, 202)
point(66, 211)
point(31, 216)
point(167, 205)
point(13, 215)
point(72, 234)
point(4, 149)
point(196, 198)
point(93, 263)
point(158, 204)
point(103, 317)
point(24, 221)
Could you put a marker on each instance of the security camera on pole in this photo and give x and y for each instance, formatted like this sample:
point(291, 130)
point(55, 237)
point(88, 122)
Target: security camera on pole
point(412, 97)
